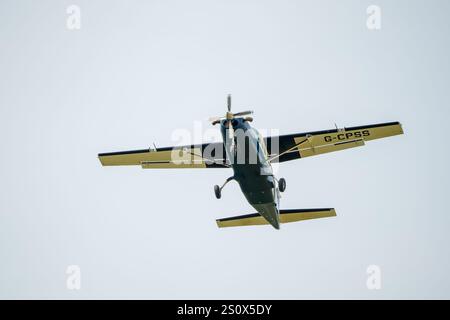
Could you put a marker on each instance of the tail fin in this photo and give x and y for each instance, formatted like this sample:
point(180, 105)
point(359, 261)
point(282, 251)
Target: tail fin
point(286, 216)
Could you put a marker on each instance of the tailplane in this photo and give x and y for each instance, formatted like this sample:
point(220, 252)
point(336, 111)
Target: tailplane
point(286, 216)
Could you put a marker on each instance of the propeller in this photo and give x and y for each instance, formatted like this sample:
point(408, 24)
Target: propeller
point(230, 115)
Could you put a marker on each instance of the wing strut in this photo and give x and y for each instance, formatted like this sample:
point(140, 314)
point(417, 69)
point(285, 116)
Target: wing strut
point(290, 149)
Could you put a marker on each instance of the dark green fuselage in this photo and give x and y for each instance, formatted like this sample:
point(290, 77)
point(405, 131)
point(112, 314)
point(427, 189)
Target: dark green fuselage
point(247, 155)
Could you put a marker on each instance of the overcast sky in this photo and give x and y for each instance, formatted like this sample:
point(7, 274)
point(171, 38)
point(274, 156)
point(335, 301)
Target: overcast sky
point(137, 71)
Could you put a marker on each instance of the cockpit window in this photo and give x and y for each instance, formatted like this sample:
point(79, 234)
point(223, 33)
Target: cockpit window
point(261, 144)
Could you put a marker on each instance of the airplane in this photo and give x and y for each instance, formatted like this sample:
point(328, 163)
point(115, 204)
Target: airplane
point(251, 157)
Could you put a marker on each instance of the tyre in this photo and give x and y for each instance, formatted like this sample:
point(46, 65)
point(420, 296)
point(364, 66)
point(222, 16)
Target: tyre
point(282, 184)
point(217, 192)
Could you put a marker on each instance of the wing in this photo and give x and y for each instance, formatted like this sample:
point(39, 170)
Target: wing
point(208, 155)
point(301, 145)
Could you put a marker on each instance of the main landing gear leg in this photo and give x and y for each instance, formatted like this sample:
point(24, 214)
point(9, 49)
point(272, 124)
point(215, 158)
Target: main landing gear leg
point(218, 190)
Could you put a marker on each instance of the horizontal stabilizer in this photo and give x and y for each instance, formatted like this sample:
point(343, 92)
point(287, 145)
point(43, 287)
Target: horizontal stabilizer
point(286, 216)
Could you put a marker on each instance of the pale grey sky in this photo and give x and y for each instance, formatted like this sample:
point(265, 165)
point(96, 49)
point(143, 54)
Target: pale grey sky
point(138, 70)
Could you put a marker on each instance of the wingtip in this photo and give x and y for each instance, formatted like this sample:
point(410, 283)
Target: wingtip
point(99, 157)
point(333, 212)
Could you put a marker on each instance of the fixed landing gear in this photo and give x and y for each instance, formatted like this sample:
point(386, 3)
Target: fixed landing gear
point(282, 184)
point(218, 190)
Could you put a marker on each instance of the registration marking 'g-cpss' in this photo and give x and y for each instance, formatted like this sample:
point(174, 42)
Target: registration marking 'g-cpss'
point(347, 135)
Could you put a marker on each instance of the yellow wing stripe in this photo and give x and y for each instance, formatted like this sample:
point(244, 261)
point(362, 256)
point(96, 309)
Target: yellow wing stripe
point(151, 159)
point(343, 139)
point(171, 165)
point(325, 148)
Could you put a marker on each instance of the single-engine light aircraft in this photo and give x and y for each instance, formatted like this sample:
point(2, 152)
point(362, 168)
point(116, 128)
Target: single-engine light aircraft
point(251, 157)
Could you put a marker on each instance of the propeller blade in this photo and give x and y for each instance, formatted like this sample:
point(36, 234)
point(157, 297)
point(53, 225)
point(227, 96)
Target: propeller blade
point(229, 102)
point(212, 119)
point(243, 113)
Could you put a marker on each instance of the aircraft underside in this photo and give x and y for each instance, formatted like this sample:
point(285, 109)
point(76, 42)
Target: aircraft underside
point(251, 156)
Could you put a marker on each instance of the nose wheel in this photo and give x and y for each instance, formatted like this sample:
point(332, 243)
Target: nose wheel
point(282, 184)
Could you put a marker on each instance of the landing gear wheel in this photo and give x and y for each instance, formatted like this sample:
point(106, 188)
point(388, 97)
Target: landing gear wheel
point(282, 184)
point(217, 191)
